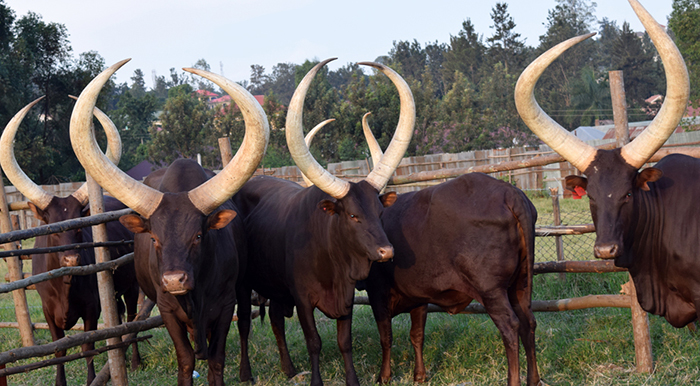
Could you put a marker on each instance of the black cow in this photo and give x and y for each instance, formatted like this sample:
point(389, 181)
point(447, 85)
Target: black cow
point(65, 300)
point(188, 240)
point(469, 238)
point(647, 220)
point(308, 246)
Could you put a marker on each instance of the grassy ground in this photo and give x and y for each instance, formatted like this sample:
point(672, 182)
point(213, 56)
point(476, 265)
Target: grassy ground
point(587, 347)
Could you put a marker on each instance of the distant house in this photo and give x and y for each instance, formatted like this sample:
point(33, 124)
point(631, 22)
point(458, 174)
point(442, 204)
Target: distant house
point(206, 95)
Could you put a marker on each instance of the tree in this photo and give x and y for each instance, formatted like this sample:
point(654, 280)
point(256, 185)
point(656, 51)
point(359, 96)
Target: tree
point(636, 60)
point(138, 85)
point(505, 46)
point(685, 24)
point(185, 121)
point(465, 54)
point(590, 98)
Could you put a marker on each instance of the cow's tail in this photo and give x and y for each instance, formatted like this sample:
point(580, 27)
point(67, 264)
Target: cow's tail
point(526, 216)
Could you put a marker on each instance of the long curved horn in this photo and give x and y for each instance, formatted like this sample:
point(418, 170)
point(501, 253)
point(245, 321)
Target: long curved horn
point(383, 170)
point(637, 152)
point(14, 173)
point(221, 187)
point(322, 178)
point(23, 183)
point(309, 138)
point(114, 149)
point(579, 153)
point(139, 197)
point(374, 150)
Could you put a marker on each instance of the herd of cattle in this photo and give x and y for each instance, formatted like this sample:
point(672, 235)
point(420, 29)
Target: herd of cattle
point(204, 241)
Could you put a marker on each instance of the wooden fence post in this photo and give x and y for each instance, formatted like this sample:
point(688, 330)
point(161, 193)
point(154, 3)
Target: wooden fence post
point(558, 242)
point(105, 284)
point(15, 271)
point(225, 150)
point(640, 319)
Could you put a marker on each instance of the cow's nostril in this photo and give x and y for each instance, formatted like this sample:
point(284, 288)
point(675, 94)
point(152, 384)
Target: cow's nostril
point(176, 283)
point(385, 253)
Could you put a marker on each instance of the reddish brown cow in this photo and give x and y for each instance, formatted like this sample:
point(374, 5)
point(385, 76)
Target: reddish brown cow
point(65, 300)
point(188, 241)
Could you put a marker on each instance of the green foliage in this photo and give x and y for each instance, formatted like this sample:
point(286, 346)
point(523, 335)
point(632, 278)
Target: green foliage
point(685, 24)
point(186, 120)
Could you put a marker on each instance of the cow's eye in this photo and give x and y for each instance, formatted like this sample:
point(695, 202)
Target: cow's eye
point(199, 236)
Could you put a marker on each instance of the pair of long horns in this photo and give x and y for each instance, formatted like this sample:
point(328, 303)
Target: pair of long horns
point(382, 170)
point(637, 152)
point(23, 183)
point(144, 199)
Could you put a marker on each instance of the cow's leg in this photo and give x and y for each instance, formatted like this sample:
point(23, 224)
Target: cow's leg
point(499, 309)
point(305, 312)
point(277, 324)
point(217, 346)
point(183, 348)
point(243, 324)
point(131, 298)
point(344, 328)
point(521, 300)
point(56, 334)
point(419, 315)
point(379, 300)
point(89, 324)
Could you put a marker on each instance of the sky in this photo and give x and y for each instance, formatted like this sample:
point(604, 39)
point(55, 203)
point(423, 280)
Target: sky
point(232, 35)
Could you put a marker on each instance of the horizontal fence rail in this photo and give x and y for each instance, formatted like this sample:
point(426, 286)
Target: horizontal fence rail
point(63, 226)
point(36, 251)
point(82, 270)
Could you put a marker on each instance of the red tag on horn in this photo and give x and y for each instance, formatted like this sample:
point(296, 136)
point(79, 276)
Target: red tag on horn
point(578, 193)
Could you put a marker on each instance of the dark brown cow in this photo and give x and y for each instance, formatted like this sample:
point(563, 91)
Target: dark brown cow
point(469, 238)
point(65, 300)
point(309, 246)
point(188, 240)
point(647, 220)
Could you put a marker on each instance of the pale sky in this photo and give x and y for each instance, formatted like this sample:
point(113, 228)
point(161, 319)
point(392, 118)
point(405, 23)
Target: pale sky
point(234, 34)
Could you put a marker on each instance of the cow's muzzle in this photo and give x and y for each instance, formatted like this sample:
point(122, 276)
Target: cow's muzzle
point(176, 282)
point(385, 253)
point(607, 251)
point(70, 260)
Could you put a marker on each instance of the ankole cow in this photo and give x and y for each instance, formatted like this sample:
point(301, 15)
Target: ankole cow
point(648, 220)
point(189, 240)
point(308, 246)
point(66, 299)
point(469, 238)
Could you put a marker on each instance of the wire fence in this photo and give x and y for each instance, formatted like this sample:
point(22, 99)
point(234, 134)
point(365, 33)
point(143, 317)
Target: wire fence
point(575, 247)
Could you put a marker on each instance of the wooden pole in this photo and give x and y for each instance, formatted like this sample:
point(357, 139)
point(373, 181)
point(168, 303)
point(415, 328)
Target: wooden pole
point(558, 242)
point(617, 93)
point(76, 340)
point(63, 226)
point(14, 266)
point(225, 150)
point(105, 286)
point(640, 319)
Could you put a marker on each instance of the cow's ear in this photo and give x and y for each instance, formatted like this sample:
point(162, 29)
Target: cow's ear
point(39, 214)
point(328, 206)
point(221, 218)
point(134, 223)
point(573, 181)
point(648, 175)
point(388, 199)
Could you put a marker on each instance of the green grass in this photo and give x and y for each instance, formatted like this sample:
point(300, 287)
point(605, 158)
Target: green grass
point(586, 347)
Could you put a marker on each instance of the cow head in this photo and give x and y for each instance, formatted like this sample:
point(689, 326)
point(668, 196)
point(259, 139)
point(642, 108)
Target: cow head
point(182, 212)
point(356, 207)
point(613, 180)
point(45, 206)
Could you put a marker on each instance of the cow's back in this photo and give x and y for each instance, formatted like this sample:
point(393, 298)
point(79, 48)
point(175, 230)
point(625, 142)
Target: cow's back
point(450, 237)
